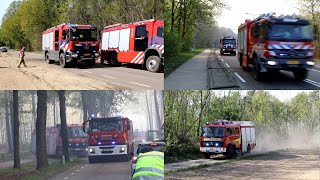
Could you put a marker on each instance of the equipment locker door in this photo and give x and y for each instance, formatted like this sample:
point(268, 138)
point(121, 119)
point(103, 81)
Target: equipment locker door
point(244, 138)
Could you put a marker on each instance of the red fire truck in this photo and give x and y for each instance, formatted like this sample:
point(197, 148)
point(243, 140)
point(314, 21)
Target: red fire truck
point(69, 44)
point(136, 43)
point(269, 44)
point(227, 138)
point(228, 45)
point(109, 137)
point(77, 140)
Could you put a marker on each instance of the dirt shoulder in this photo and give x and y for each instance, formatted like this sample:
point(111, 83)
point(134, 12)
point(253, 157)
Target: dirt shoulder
point(284, 164)
point(41, 76)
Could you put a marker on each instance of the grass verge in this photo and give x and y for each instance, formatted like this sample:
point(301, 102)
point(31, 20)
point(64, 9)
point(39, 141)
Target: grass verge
point(174, 62)
point(182, 157)
point(28, 170)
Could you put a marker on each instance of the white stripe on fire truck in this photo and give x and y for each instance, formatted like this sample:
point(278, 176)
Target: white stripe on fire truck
point(136, 57)
point(139, 57)
point(306, 47)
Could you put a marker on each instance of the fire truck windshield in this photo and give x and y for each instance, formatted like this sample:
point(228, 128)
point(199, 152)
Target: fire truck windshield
point(289, 31)
point(212, 132)
point(229, 41)
point(83, 35)
point(76, 132)
point(106, 125)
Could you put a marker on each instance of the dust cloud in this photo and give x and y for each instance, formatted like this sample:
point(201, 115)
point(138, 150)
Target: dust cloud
point(271, 141)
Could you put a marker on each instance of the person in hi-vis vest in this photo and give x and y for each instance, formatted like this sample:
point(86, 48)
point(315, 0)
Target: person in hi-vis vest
point(149, 166)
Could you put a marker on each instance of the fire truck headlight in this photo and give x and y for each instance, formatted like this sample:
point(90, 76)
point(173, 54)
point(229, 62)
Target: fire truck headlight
point(311, 63)
point(91, 150)
point(207, 144)
point(217, 144)
point(272, 63)
point(99, 143)
point(74, 55)
point(122, 149)
point(113, 142)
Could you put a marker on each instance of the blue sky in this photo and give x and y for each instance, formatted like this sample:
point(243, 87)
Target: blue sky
point(4, 4)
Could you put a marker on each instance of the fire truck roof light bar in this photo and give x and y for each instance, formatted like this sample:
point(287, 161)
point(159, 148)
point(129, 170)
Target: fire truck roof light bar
point(273, 15)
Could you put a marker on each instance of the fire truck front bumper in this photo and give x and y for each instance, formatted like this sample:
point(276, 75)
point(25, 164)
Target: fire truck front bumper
point(78, 151)
point(286, 64)
point(108, 150)
point(213, 149)
point(82, 57)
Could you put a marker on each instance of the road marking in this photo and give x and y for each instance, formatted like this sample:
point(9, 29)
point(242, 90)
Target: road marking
point(312, 82)
point(109, 77)
point(140, 84)
point(78, 170)
point(227, 65)
point(87, 72)
point(241, 79)
point(314, 70)
point(82, 167)
point(72, 174)
point(65, 178)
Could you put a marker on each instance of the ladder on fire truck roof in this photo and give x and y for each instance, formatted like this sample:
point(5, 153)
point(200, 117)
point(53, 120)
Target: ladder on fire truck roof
point(120, 24)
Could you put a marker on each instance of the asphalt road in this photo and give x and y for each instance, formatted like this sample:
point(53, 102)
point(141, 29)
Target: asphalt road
point(127, 77)
point(97, 171)
point(285, 80)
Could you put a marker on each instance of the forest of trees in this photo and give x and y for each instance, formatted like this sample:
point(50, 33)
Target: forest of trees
point(23, 110)
point(311, 10)
point(187, 111)
point(183, 19)
point(24, 21)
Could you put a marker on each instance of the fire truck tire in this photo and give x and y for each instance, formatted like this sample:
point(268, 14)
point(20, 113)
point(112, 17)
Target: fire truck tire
point(231, 152)
point(256, 70)
point(91, 63)
point(248, 148)
point(114, 60)
point(62, 60)
point(300, 74)
point(91, 160)
point(47, 59)
point(154, 64)
point(207, 155)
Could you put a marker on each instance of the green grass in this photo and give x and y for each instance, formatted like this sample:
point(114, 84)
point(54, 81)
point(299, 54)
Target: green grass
point(28, 170)
point(174, 62)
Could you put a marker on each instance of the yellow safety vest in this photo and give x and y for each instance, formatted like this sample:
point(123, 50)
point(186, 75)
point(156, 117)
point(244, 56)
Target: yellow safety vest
point(149, 166)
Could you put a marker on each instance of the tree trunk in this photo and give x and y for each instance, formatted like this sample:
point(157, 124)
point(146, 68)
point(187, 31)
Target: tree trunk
point(64, 128)
point(84, 105)
point(16, 147)
point(157, 110)
point(41, 144)
point(8, 125)
point(148, 110)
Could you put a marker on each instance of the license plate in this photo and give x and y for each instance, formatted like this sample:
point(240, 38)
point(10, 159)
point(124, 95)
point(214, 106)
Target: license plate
point(88, 54)
point(293, 62)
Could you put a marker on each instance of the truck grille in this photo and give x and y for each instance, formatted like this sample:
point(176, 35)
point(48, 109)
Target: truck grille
point(83, 50)
point(291, 53)
point(77, 145)
point(107, 150)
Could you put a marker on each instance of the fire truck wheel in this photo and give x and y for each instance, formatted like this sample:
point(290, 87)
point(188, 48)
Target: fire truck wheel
point(300, 74)
point(206, 155)
point(256, 70)
point(62, 61)
point(91, 63)
point(91, 160)
point(248, 148)
point(47, 59)
point(153, 64)
point(231, 152)
point(114, 61)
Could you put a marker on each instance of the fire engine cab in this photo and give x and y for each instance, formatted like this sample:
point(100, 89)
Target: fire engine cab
point(271, 43)
point(70, 44)
point(228, 45)
point(227, 138)
point(108, 138)
point(77, 140)
point(136, 43)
